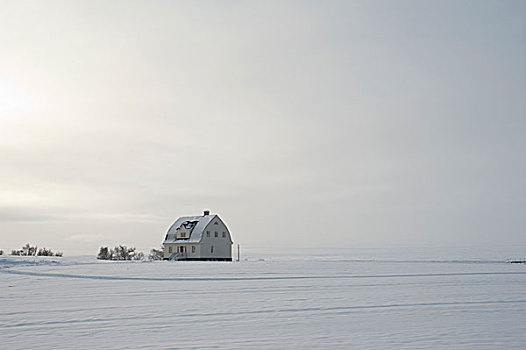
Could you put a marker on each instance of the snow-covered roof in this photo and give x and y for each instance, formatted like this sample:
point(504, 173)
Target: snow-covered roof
point(199, 224)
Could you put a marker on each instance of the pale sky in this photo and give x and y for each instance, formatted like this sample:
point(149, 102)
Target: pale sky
point(301, 123)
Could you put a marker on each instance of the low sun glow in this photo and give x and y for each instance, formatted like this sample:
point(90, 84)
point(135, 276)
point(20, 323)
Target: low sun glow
point(13, 99)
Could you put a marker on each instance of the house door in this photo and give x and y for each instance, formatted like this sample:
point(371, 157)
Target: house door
point(181, 249)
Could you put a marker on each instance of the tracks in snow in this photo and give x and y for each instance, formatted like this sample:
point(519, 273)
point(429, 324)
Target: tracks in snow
point(249, 278)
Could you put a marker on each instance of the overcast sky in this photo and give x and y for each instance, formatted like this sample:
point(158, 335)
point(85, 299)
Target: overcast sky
point(302, 123)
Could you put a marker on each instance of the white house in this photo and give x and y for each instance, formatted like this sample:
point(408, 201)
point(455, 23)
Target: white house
point(204, 237)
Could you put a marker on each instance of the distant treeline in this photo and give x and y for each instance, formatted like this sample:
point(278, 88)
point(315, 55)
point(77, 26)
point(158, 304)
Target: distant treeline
point(122, 252)
point(29, 250)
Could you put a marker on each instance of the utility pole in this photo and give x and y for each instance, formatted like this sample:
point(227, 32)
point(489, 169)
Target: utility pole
point(238, 252)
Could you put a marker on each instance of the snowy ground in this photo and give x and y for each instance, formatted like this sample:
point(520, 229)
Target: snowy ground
point(276, 304)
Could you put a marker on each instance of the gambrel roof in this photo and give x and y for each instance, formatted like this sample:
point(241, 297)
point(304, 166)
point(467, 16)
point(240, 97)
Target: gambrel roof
point(196, 224)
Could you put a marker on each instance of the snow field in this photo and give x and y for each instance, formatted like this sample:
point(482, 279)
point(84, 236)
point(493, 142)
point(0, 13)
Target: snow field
point(290, 304)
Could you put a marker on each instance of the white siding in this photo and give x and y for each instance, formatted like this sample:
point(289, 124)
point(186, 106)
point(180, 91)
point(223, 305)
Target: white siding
point(222, 246)
point(194, 254)
point(187, 246)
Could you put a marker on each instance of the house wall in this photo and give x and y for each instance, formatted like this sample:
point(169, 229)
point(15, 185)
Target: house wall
point(188, 249)
point(189, 253)
point(222, 245)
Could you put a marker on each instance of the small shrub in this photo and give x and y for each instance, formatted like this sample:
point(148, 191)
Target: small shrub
point(156, 254)
point(138, 256)
point(44, 252)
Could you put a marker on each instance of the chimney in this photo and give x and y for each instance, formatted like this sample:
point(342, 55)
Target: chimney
point(206, 212)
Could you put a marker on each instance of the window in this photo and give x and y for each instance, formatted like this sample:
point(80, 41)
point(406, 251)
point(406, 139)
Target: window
point(224, 234)
point(216, 234)
point(182, 235)
point(193, 249)
point(207, 233)
point(170, 249)
point(211, 249)
point(215, 223)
